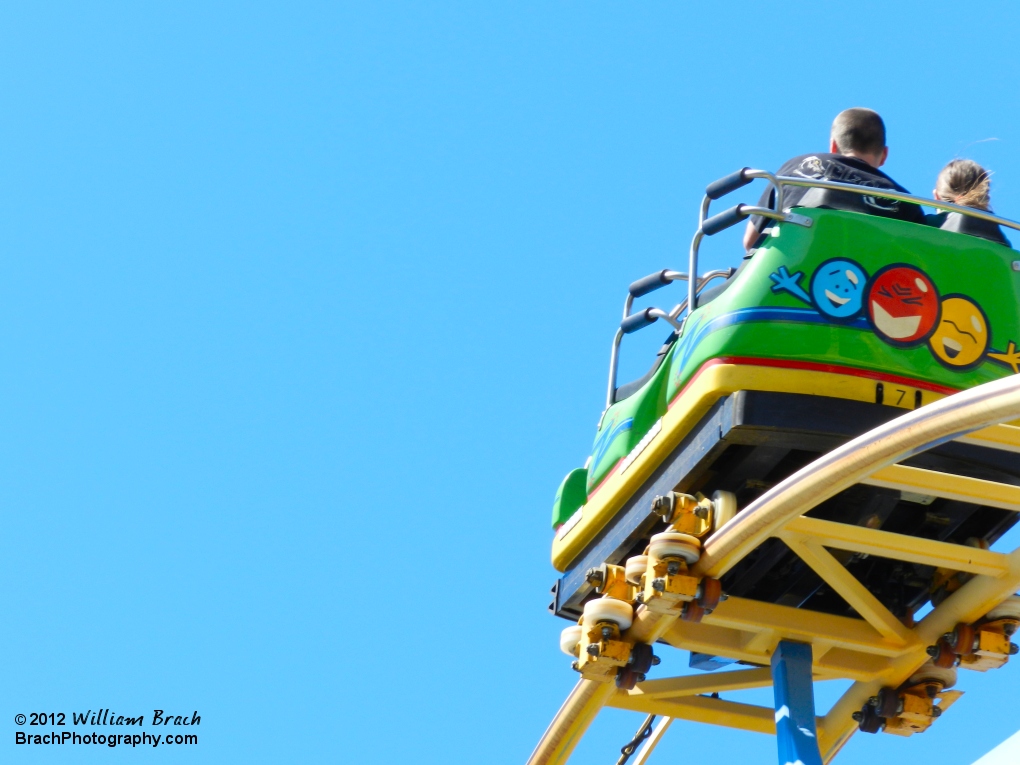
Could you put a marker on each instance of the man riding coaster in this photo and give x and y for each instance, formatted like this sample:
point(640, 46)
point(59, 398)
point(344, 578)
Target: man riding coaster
point(857, 148)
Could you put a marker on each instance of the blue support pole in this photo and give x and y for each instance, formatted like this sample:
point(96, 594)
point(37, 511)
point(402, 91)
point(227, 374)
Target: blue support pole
point(795, 704)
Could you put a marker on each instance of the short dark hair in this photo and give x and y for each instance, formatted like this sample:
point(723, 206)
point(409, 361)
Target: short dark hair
point(859, 130)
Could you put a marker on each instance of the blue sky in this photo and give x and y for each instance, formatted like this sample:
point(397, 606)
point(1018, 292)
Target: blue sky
point(306, 311)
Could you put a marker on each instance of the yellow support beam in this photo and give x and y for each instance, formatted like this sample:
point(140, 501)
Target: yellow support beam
point(589, 696)
point(947, 486)
point(742, 646)
point(755, 617)
point(968, 604)
point(703, 709)
point(653, 741)
point(852, 591)
point(1005, 437)
point(570, 722)
point(695, 685)
point(886, 544)
point(762, 642)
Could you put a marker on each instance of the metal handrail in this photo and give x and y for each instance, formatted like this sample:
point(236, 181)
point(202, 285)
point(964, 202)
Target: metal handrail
point(614, 362)
point(899, 196)
point(673, 276)
point(720, 273)
point(692, 298)
point(614, 355)
point(693, 265)
point(749, 173)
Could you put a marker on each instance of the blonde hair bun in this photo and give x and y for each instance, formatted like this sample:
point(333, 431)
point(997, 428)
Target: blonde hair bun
point(965, 182)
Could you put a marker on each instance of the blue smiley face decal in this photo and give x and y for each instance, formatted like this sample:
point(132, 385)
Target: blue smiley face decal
point(837, 288)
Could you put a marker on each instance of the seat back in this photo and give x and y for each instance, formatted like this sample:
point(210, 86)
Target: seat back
point(844, 200)
point(965, 224)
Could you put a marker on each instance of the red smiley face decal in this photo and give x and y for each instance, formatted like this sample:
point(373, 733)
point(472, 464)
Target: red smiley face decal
point(903, 305)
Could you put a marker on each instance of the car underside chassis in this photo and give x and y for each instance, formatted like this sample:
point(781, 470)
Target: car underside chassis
point(751, 441)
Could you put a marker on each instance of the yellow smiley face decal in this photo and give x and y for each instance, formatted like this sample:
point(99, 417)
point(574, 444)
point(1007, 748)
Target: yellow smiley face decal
point(961, 338)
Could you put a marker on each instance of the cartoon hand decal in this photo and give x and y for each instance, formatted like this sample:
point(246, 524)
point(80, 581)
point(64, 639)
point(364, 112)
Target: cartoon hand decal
point(1010, 357)
point(784, 281)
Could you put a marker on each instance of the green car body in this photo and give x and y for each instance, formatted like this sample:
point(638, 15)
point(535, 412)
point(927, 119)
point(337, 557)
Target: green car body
point(854, 291)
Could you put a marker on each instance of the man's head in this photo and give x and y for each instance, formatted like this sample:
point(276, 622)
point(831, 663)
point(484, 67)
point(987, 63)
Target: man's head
point(859, 133)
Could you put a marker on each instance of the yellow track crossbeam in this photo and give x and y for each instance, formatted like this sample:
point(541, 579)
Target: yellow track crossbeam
point(754, 617)
point(885, 544)
point(947, 486)
point(1005, 437)
point(852, 591)
point(746, 646)
point(696, 685)
point(704, 709)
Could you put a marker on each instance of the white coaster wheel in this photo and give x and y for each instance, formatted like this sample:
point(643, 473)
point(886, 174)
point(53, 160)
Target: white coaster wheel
point(724, 504)
point(1007, 609)
point(570, 638)
point(672, 544)
point(929, 672)
point(608, 610)
point(635, 568)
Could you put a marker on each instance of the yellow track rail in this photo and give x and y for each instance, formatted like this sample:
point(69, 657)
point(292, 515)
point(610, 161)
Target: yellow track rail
point(875, 651)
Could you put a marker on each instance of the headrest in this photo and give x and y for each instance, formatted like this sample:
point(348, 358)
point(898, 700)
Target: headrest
point(965, 224)
point(850, 202)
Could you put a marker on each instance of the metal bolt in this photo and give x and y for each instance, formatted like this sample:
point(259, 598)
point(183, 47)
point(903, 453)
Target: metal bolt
point(932, 650)
point(873, 701)
point(639, 677)
point(1009, 628)
point(659, 585)
point(936, 712)
point(656, 661)
point(593, 649)
point(607, 632)
point(701, 512)
point(595, 577)
point(639, 598)
point(1013, 649)
point(574, 666)
point(662, 506)
point(723, 596)
point(858, 716)
point(948, 637)
point(673, 568)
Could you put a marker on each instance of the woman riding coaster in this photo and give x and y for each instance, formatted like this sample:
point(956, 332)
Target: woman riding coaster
point(964, 182)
